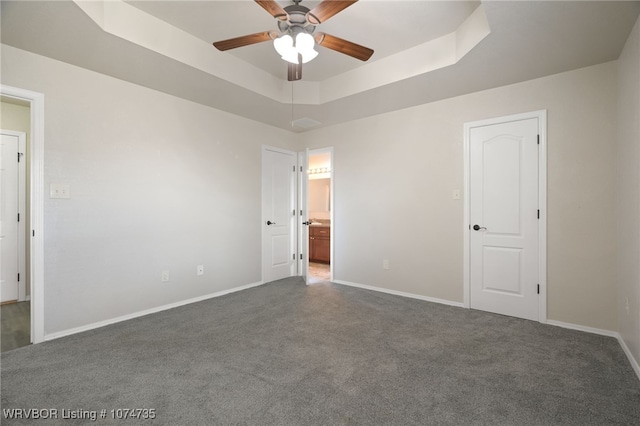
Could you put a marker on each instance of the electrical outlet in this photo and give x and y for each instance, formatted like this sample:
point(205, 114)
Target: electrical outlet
point(165, 276)
point(200, 270)
point(385, 264)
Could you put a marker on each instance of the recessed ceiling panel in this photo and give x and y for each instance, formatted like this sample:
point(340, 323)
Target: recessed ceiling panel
point(387, 27)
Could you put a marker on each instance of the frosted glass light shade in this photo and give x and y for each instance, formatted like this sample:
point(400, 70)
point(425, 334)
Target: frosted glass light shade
point(284, 46)
point(304, 45)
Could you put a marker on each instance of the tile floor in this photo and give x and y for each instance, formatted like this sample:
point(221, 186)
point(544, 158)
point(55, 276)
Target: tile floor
point(319, 272)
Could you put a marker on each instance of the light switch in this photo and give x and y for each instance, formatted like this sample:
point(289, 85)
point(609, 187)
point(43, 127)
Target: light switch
point(59, 190)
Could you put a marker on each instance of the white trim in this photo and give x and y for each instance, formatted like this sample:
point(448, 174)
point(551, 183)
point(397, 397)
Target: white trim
point(542, 203)
point(157, 309)
point(601, 332)
point(400, 293)
point(36, 142)
point(627, 351)
point(302, 215)
point(584, 328)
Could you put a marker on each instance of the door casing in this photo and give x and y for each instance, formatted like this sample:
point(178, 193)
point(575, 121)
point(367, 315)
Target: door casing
point(542, 203)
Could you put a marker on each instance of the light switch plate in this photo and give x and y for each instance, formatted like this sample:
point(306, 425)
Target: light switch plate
point(59, 190)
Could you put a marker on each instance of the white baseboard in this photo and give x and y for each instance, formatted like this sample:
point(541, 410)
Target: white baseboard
point(609, 333)
point(401, 293)
point(584, 328)
point(68, 332)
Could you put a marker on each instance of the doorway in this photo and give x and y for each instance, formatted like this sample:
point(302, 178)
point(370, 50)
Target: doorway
point(505, 215)
point(33, 306)
point(320, 208)
point(14, 218)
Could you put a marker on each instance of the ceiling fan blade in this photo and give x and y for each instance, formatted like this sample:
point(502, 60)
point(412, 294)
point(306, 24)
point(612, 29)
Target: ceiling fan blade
point(246, 40)
point(327, 9)
point(274, 9)
point(343, 46)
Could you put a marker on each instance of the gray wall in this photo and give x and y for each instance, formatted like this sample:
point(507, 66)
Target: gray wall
point(628, 193)
point(398, 171)
point(157, 183)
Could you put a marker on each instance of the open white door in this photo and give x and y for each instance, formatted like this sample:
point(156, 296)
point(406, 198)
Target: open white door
point(303, 225)
point(504, 216)
point(278, 213)
point(12, 216)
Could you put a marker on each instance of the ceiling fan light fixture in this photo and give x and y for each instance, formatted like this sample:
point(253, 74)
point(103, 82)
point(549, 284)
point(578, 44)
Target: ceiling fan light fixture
point(284, 47)
point(305, 46)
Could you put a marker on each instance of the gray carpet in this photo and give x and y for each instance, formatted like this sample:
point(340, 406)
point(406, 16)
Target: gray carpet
point(288, 354)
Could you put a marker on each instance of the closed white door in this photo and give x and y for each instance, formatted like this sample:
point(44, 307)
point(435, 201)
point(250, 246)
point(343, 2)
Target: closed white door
point(504, 218)
point(12, 236)
point(278, 213)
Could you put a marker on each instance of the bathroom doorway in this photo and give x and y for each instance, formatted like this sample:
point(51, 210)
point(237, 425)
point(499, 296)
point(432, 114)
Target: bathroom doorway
point(320, 202)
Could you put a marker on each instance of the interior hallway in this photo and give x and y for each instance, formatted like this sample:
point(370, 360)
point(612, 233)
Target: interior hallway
point(16, 325)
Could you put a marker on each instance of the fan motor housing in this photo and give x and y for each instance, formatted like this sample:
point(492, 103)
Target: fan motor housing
point(297, 21)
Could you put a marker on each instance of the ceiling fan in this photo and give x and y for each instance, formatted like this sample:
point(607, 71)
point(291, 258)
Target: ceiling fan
point(294, 40)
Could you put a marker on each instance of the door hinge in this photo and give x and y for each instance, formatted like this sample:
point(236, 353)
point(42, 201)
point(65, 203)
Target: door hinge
point(18, 277)
point(293, 212)
point(300, 212)
point(538, 213)
point(294, 256)
point(538, 288)
point(18, 217)
point(538, 139)
point(300, 169)
point(300, 256)
point(33, 233)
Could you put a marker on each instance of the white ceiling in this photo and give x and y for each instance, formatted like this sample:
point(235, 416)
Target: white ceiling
point(166, 45)
point(388, 27)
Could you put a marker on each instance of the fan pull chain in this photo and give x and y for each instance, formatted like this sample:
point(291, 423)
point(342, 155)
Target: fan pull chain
point(292, 104)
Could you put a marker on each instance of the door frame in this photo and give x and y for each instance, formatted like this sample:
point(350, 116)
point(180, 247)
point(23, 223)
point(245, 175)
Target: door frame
point(303, 205)
point(541, 115)
point(36, 171)
point(302, 209)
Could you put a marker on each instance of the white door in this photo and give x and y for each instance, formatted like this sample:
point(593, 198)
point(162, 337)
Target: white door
point(303, 225)
point(12, 237)
point(278, 213)
point(504, 218)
